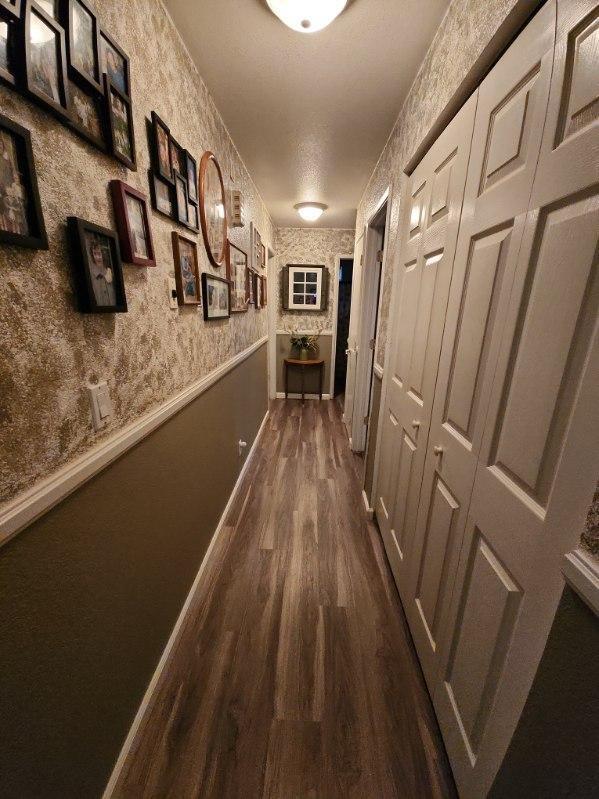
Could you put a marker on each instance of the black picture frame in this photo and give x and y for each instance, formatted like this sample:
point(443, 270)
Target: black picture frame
point(8, 74)
point(154, 180)
point(10, 9)
point(60, 107)
point(76, 91)
point(209, 277)
point(81, 77)
point(191, 166)
point(181, 208)
point(36, 238)
point(87, 298)
point(110, 91)
point(159, 125)
point(107, 43)
point(193, 216)
point(177, 156)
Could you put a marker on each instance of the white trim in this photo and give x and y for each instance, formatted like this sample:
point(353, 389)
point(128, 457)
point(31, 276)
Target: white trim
point(26, 507)
point(304, 332)
point(335, 301)
point(378, 370)
point(369, 510)
point(292, 395)
point(582, 574)
point(146, 702)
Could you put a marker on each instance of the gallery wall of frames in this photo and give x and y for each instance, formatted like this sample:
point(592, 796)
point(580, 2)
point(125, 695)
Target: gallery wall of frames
point(118, 259)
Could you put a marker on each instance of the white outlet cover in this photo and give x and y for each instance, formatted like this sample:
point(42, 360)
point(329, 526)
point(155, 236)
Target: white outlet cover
point(101, 404)
point(172, 293)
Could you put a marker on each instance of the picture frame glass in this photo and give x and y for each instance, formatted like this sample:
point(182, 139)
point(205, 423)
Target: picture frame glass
point(163, 151)
point(239, 275)
point(14, 191)
point(136, 215)
point(305, 288)
point(177, 164)
point(99, 251)
point(214, 210)
point(187, 255)
point(192, 179)
point(5, 51)
point(44, 59)
point(114, 65)
point(192, 215)
point(85, 111)
point(217, 298)
point(182, 209)
point(121, 123)
point(83, 51)
point(162, 197)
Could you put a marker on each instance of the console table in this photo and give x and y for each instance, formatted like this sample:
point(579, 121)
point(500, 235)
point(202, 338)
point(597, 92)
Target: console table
point(302, 366)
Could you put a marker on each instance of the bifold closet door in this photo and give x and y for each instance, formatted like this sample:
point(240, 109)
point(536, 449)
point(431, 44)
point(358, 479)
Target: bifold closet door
point(427, 250)
point(539, 453)
point(511, 110)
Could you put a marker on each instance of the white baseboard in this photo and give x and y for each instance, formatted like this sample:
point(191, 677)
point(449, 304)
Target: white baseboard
point(25, 508)
point(281, 395)
point(146, 702)
point(369, 510)
point(582, 574)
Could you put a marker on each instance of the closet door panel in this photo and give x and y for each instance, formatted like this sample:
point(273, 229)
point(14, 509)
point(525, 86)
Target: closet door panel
point(510, 114)
point(539, 448)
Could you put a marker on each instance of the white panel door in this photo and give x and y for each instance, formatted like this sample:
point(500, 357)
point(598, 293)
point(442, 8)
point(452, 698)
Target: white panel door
point(539, 454)
point(350, 376)
point(510, 115)
point(427, 249)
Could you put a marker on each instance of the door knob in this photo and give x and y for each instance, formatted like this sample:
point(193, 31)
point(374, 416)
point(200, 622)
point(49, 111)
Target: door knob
point(415, 423)
point(438, 450)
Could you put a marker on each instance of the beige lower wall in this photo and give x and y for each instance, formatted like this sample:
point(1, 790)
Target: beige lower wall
point(90, 592)
point(325, 349)
point(375, 401)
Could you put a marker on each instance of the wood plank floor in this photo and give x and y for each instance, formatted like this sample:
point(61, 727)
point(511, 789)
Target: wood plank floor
point(295, 675)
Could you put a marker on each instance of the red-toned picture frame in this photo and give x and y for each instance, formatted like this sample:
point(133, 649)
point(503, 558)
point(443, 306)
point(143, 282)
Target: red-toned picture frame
point(125, 227)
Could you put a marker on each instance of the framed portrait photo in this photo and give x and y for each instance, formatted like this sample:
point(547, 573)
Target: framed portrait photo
point(120, 125)
point(181, 205)
point(45, 60)
point(178, 162)
point(7, 52)
point(161, 192)
point(217, 297)
point(10, 9)
point(187, 275)
point(304, 288)
point(87, 116)
point(21, 217)
point(239, 277)
point(83, 40)
point(132, 224)
point(115, 64)
point(97, 268)
point(193, 222)
point(192, 176)
point(161, 141)
point(213, 210)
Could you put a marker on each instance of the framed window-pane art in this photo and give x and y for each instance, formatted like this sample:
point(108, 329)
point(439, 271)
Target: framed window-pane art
point(305, 288)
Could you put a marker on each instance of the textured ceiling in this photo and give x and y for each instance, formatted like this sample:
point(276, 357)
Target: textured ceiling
point(309, 114)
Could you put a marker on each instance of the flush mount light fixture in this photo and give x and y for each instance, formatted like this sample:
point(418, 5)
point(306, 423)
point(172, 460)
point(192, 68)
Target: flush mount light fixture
point(307, 16)
point(310, 212)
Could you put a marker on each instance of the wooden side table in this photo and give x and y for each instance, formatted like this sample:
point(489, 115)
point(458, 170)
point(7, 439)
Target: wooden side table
point(317, 363)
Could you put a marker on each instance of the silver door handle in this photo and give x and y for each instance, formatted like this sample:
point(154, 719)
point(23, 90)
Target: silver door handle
point(438, 450)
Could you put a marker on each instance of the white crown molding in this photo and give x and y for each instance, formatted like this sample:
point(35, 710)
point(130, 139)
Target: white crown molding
point(582, 574)
point(146, 702)
point(18, 513)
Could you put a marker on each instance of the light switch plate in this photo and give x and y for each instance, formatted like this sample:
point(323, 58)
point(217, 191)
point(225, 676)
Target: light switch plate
point(101, 404)
point(172, 293)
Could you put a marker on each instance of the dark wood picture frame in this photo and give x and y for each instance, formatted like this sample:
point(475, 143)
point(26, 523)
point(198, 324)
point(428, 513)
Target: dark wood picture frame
point(206, 277)
point(120, 191)
point(191, 184)
point(177, 238)
point(87, 302)
point(10, 10)
point(177, 156)
point(9, 76)
point(252, 287)
point(158, 123)
point(258, 291)
point(59, 109)
point(37, 238)
point(208, 158)
point(193, 216)
point(232, 278)
point(153, 179)
point(94, 82)
point(181, 208)
point(110, 90)
point(264, 282)
point(101, 142)
point(105, 39)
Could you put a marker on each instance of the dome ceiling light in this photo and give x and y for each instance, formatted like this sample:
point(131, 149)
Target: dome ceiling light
point(307, 16)
point(310, 212)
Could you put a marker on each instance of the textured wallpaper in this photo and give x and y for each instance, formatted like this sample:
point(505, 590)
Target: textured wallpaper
point(464, 32)
point(49, 351)
point(316, 246)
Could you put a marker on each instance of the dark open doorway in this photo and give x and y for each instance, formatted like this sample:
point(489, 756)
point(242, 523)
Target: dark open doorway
point(346, 271)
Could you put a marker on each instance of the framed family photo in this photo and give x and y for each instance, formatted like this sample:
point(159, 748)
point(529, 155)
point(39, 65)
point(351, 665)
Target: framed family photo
point(239, 277)
point(133, 224)
point(21, 217)
point(7, 52)
point(115, 64)
point(178, 162)
point(87, 115)
point(83, 40)
point(187, 275)
point(120, 124)
point(192, 177)
point(10, 9)
point(97, 268)
point(217, 297)
point(161, 193)
point(182, 206)
point(161, 137)
point(45, 60)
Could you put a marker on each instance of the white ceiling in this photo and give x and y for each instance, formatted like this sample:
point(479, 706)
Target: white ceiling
point(309, 114)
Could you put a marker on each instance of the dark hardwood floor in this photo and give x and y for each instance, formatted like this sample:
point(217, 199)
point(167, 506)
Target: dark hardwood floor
point(295, 674)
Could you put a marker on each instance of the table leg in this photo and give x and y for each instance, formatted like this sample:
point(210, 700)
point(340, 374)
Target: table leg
point(286, 381)
point(302, 370)
point(321, 378)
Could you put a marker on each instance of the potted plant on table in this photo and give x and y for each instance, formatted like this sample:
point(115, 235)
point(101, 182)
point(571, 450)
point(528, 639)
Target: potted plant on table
point(305, 343)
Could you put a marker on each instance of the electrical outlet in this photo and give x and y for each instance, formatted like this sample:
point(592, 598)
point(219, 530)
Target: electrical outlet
point(172, 294)
point(101, 404)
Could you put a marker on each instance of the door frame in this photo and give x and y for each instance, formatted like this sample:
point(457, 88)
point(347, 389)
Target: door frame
point(370, 300)
point(271, 321)
point(335, 301)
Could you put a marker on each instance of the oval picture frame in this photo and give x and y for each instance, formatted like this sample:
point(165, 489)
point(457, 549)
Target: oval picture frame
point(209, 161)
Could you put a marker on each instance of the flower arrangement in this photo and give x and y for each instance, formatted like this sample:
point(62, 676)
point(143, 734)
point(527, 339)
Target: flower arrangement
point(304, 342)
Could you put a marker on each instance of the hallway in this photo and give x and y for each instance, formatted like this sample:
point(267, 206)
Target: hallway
point(295, 675)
